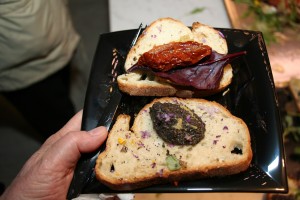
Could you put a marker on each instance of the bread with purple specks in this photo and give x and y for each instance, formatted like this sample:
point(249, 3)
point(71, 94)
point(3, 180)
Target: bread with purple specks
point(138, 156)
point(165, 31)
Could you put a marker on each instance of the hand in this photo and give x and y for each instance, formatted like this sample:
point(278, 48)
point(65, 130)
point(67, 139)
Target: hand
point(48, 173)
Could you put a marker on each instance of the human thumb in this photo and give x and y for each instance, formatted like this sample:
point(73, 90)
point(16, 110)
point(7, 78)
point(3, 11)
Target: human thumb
point(96, 137)
point(70, 147)
point(88, 141)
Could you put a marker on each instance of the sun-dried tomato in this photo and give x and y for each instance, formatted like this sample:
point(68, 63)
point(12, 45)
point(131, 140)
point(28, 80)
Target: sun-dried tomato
point(174, 54)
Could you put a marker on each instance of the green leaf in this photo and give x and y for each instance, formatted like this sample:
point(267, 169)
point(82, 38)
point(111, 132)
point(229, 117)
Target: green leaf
point(197, 10)
point(289, 120)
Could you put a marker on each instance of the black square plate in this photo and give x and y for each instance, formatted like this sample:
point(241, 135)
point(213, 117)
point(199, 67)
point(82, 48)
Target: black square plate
point(251, 96)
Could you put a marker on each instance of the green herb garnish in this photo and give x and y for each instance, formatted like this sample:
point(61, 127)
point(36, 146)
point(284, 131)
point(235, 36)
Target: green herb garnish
point(173, 163)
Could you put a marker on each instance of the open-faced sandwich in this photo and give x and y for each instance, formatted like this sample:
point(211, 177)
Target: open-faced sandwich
point(174, 139)
point(171, 59)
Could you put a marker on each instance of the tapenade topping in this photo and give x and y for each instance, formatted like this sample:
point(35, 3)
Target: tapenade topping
point(177, 124)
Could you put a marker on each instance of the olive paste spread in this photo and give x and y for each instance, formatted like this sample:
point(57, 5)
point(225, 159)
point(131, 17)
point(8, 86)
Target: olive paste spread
point(177, 124)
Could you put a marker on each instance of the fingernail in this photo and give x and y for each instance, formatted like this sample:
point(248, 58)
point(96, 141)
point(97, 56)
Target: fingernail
point(97, 131)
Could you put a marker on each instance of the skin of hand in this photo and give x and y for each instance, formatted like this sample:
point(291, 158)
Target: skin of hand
point(49, 171)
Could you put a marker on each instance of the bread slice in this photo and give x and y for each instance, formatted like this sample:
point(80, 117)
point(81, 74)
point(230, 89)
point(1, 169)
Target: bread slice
point(209, 36)
point(166, 30)
point(136, 157)
point(163, 31)
point(142, 84)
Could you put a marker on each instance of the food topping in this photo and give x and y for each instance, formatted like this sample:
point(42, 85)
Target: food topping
point(145, 134)
point(204, 75)
point(172, 163)
point(176, 124)
point(121, 141)
point(174, 54)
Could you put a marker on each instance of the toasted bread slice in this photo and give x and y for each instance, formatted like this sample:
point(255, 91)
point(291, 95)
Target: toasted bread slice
point(142, 84)
point(136, 157)
point(163, 31)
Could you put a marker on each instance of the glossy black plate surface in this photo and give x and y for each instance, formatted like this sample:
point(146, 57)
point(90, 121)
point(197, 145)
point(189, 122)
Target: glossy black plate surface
point(251, 96)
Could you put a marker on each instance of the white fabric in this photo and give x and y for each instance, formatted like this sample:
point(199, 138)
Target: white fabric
point(37, 38)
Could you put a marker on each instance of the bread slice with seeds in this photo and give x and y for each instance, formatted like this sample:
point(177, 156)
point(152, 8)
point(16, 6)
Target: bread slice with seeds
point(164, 31)
point(138, 157)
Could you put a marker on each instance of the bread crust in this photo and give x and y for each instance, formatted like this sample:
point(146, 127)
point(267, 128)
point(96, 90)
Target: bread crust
point(212, 160)
point(132, 84)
